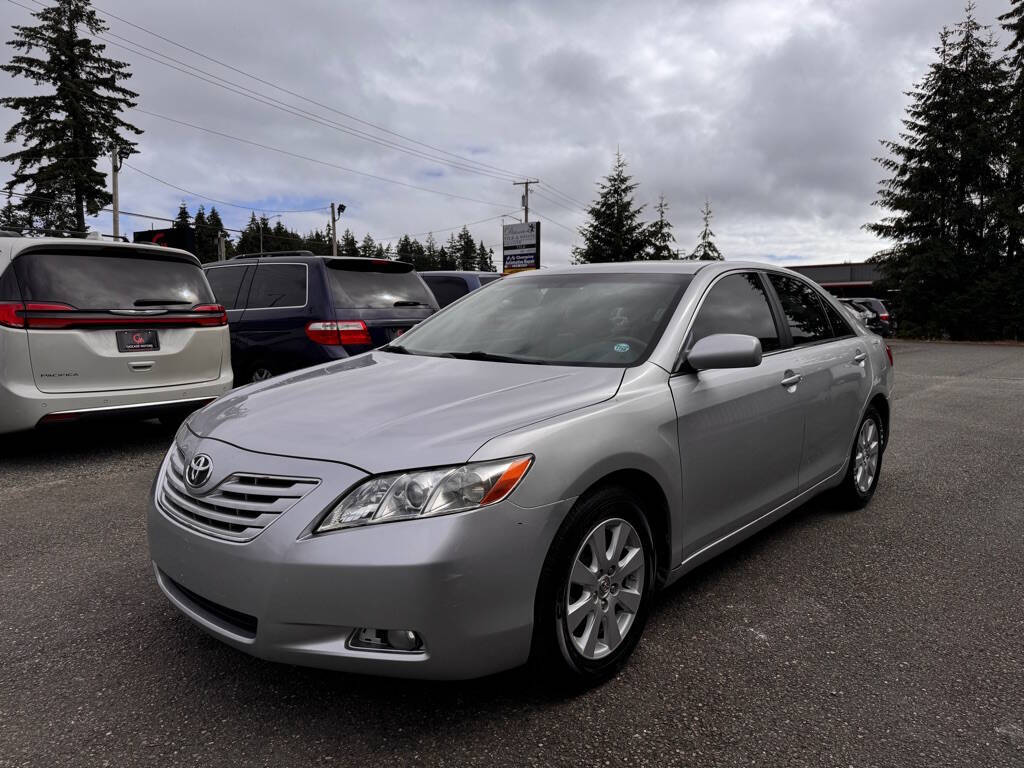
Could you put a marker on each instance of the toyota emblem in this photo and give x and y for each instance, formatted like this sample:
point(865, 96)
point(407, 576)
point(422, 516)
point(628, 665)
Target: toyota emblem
point(198, 470)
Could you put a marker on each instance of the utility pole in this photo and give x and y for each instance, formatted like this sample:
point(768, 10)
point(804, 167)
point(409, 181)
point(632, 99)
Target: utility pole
point(525, 196)
point(115, 166)
point(221, 247)
point(334, 227)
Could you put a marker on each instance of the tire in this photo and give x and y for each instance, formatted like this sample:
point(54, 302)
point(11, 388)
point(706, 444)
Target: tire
point(857, 489)
point(579, 616)
point(258, 371)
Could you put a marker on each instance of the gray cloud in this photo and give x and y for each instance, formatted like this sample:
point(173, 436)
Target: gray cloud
point(772, 109)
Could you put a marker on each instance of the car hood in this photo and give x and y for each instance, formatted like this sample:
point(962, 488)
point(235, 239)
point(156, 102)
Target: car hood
point(382, 411)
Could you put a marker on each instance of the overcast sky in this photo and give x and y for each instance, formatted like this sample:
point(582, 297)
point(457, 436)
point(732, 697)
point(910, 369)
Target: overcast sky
point(773, 109)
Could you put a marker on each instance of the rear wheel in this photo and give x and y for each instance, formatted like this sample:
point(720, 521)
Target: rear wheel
point(596, 588)
point(865, 465)
point(258, 372)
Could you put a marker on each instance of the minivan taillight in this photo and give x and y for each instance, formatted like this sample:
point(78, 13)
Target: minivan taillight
point(884, 317)
point(215, 314)
point(10, 314)
point(51, 316)
point(334, 332)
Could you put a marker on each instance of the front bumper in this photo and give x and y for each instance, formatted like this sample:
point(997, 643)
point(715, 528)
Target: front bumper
point(465, 582)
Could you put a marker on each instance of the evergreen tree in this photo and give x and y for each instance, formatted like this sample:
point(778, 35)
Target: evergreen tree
point(659, 235)
point(249, 240)
point(317, 242)
point(615, 231)
point(216, 227)
point(465, 255)
point(368, 249)
point(448, 257)
point(942, 196)
point(11, 218)
point(206, 242)
point(706, 249)
point(1012, 203)
point(348, 246)
point(484, 258)
point(431, 253)
point(183, 221)
point(72, 122)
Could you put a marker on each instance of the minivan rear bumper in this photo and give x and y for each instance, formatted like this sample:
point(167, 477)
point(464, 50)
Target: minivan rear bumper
point(23, 406)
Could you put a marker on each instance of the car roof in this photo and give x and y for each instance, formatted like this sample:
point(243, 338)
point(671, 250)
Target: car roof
point(676, 267)
point(11, 247)
point(271, 256)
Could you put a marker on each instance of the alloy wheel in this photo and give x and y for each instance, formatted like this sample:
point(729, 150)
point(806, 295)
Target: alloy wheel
point(261, 374)
point(606, 587)
point(865, 459)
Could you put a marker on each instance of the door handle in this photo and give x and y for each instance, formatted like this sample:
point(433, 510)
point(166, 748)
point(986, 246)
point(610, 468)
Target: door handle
point(860, 357)
point(792, 380)
point(141, 365)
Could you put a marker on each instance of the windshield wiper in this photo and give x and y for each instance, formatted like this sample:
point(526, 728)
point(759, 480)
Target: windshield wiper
point(489, 357)
point(407, 303)
point(157, 302)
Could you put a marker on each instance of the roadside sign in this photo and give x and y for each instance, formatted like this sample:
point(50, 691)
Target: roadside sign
point(520, 247)
point(168, 238)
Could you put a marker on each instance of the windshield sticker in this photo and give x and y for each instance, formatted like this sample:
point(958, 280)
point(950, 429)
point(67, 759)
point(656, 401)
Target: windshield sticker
point(621, 347)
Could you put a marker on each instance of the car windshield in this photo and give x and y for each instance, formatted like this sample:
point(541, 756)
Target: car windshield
point(610, 320)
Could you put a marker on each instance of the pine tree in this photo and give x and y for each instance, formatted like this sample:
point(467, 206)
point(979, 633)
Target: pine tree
point(216, 227)
point(348, 246)
point(72, 122)
point(466, 257)
point(615, 231)
point(206, 242)
point(484, 258)
point(431, 253)
point(1012, 203)
point(942, 196)
point(659, 235)
point(447, 257)
point(183, 221)
point(706, 249)
point(368, 248)
point(11, 219)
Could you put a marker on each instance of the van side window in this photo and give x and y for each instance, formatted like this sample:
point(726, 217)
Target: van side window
point(278, 285)
point(226, 282)
point(446, 288)
point(737, 304)
point(807, 321)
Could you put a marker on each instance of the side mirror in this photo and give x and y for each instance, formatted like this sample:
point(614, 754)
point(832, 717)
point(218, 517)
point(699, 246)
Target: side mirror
point(725, 350)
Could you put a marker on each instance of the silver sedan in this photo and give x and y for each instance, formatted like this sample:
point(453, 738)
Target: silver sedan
point(515, 479)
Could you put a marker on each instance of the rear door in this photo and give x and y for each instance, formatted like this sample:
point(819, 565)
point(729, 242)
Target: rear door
point(832, 361)
point(387, 297)
point(104, 319)
point(271, 331)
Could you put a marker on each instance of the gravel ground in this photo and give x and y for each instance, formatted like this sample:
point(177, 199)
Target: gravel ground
point(888, 637)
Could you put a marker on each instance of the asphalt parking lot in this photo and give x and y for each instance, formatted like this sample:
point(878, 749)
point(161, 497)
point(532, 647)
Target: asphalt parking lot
point(888, 637)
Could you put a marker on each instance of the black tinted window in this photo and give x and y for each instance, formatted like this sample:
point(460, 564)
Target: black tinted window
point(840, 327)
point(446, 289)
point(278, 285)
point(374, 283)
point(806, 319)
point(485, 279)
point(88, 281)
point(9, 285)
point(226, 282)
point(737, 304)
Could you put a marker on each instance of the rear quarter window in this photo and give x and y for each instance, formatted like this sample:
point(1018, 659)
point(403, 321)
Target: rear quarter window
point(9, 285)
point(278, 286)
point(226, 283)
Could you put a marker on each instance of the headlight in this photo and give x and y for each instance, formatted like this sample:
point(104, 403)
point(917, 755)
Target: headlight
point(406, 495)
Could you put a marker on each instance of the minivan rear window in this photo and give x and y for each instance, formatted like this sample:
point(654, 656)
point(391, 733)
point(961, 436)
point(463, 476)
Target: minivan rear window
point(102, 281)
point(376, 284)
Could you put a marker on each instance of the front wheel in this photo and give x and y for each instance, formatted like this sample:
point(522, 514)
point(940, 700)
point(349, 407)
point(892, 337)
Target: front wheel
point(865, 465)
point(596, 588)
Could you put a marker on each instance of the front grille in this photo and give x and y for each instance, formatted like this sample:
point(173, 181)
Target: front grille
point(243, 623)
point(238, 508)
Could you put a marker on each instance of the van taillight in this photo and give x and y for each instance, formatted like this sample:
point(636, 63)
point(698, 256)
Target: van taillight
point(215, 314)
point(10, 314)
point(884, 317)
point(334, 332)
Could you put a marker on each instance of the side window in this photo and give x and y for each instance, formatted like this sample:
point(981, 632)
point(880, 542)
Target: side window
point(807, 321)
point(9, 290)
point(445, 288)
point(840, 327)
point(225, 282)
point(738, 304)
point(278, 285)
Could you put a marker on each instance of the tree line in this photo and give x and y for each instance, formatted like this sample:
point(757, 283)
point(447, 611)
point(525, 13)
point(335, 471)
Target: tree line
point(616, 231)
point(459, 252)
point(954, 196)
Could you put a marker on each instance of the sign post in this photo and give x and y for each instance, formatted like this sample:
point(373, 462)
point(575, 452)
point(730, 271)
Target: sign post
point(520, 247)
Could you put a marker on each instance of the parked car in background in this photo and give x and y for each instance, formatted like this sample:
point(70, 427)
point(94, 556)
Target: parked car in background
point(517, 476)
point(451, 286)
point(91, 328)
point(867, 316)
point(886, 322)
point(289, 310)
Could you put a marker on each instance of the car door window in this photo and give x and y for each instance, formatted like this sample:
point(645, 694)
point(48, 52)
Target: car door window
point(737, 304)
point(226, 282)
point(807, 321)
point(840, 327)
point(278, 285)
point(446, 288)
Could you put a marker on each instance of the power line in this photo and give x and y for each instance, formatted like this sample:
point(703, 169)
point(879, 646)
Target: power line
point(290, 109)
point(220, 202)
point(447, 229)
point(556, 223)
point(556, 202)
point(318, 161)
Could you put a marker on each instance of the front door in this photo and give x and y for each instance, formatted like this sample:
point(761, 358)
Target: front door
point(740, 431)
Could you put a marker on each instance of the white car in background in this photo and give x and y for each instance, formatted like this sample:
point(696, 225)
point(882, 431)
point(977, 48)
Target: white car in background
point(90, 328)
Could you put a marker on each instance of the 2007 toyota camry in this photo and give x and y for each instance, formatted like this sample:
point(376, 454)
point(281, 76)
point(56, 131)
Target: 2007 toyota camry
point(517, 476)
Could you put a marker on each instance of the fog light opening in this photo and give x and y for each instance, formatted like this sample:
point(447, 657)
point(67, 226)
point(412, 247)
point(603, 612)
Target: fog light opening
point(400, 640)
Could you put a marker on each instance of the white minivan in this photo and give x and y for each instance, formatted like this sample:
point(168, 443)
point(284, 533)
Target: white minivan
point(90, 328)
